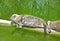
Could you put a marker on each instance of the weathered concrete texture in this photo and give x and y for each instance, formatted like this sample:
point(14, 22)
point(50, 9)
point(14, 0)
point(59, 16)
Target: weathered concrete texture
point(4, 21)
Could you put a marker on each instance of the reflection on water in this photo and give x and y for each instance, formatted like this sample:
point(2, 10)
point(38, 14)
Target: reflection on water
point(46, 37)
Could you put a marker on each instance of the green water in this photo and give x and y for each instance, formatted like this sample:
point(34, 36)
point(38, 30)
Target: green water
point(8, 33)
point(46, 9)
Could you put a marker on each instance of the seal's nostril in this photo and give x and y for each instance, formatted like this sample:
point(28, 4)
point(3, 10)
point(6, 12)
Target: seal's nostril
point(49, 31)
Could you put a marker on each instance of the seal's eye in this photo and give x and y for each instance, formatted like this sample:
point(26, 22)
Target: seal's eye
point(14, 16)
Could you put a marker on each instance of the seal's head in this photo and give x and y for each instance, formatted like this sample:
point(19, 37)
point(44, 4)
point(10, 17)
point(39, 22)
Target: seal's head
point(48, 29)
point(15, 18)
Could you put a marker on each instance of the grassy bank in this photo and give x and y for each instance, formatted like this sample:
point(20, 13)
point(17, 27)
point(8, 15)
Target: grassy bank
point(46, 9)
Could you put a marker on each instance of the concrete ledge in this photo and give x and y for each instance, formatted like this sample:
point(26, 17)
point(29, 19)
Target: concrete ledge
point(6, 22)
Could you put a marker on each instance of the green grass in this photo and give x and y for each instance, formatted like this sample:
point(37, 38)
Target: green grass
point(46, 9)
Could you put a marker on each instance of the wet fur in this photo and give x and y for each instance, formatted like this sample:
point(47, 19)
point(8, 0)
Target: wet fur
point(41, 22)
point(55, 25)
